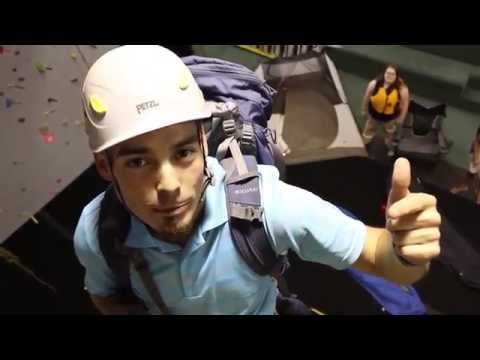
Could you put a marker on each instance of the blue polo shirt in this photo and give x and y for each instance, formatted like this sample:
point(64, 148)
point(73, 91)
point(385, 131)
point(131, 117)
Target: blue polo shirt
point(208, 276)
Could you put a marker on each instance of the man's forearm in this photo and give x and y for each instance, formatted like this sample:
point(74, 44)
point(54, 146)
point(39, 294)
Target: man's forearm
point(389, 266)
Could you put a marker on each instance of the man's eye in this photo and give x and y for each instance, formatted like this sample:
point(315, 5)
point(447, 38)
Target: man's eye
point(185, 153)
point(136, 163)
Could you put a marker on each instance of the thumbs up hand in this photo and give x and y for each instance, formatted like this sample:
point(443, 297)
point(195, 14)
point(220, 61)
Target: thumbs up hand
point(412, 219)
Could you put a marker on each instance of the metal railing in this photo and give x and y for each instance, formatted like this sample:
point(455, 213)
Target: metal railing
point(281, 51)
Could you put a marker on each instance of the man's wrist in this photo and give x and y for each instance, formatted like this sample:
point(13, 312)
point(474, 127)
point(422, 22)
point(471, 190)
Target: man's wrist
point(404, 261)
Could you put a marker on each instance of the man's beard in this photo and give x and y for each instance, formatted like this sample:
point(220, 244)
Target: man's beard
point(179, 234)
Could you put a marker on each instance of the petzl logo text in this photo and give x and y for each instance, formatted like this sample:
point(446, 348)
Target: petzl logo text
point(146, 106)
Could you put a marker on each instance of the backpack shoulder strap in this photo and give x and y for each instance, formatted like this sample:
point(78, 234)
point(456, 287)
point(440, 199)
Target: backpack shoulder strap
point(245, 211)
point(119, 257)
point(138, 260)
point(110, 246)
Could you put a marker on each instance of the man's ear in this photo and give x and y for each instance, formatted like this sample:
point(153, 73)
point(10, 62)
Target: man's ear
point(103, 167)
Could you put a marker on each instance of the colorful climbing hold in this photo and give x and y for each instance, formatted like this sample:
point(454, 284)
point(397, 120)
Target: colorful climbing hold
point(46, 113)
point(43, 129)
point(9, 102)
point(52, 100)
point(74, 56)
point(49, 137)
point(21, 120)
point(40, 67)
point(16, 86)
point(16, 53)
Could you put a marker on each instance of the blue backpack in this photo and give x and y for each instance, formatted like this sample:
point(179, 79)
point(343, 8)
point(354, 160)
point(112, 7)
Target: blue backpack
point(240, 139)
point(241, 105)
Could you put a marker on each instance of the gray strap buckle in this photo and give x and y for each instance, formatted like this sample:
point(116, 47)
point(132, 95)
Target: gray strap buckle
point(229, 127)
point(249, 213)
point(247, 135)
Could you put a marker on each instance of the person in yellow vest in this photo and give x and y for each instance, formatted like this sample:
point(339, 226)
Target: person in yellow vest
point(385, 103)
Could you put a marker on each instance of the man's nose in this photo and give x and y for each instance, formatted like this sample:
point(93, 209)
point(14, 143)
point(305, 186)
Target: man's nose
point(167, 179)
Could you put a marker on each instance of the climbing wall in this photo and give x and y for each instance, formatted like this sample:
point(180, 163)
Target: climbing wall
point(42, 142)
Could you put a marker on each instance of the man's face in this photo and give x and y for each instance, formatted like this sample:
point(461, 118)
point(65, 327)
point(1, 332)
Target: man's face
point(160, 175)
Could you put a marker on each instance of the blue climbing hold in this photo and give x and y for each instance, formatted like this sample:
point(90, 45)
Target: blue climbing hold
point(9, 102)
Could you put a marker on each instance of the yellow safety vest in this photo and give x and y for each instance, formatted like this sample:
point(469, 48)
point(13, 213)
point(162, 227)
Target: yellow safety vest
point(383, 103)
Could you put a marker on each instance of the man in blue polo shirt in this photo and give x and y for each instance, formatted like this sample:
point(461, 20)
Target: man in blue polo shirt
point(144, 123)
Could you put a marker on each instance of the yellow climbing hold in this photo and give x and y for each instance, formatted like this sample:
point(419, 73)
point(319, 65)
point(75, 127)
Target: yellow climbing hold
point(97, 105)
point(41, 68)
point(74, 55)
point(47, 113)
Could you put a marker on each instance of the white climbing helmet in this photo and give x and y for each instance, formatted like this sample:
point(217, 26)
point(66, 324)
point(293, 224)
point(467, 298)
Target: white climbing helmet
point(135, 89)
